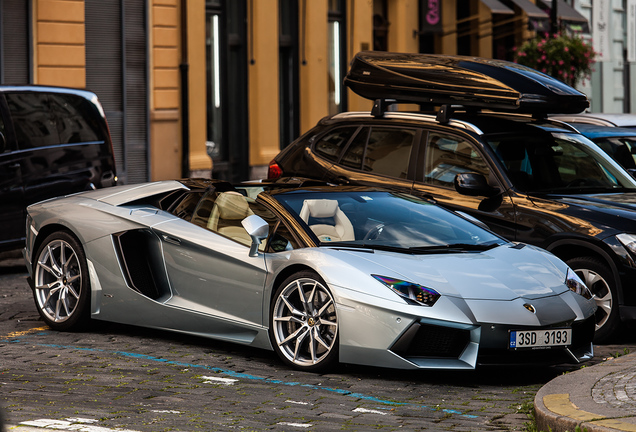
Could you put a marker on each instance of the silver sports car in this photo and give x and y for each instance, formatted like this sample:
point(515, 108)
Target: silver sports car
point(317, 273)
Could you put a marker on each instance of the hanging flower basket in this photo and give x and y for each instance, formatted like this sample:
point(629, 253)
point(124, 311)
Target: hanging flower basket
point(566, 58)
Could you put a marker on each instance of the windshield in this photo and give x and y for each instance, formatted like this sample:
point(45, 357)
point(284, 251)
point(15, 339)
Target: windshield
point(559, 162)
point(384, 220)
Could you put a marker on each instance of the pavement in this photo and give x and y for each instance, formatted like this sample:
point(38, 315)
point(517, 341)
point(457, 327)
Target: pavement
point(598, 398)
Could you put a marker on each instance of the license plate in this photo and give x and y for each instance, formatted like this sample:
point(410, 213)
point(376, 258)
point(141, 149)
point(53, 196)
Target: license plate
point(540, 338)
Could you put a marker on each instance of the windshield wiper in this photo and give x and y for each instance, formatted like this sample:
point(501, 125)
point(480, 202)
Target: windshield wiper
point(455, 247)
point(450, 248)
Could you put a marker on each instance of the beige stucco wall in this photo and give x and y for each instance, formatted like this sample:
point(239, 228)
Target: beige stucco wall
point(263, 83)
point(314, 84)
point(362, 40)
point(199, 159)
point(165, 132)
point(59, 43)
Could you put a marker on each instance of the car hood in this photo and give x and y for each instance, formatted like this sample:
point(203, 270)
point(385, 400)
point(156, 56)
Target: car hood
point(503, 273)
point(615, 204)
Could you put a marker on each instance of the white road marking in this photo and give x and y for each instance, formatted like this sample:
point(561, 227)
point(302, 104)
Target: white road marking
point(368, 411)
point(300, 425)
point(217, 380)
point(75, 425)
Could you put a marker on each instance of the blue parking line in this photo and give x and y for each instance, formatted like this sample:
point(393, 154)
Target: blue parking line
point(234, 374)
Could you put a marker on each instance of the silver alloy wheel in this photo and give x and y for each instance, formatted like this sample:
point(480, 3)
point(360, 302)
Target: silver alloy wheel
point(601, 293)
point(58, 281)
point(304, 322)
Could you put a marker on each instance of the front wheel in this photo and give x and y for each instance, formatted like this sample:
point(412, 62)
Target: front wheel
point(61, 289)
point(303, 323)
point(600, 281)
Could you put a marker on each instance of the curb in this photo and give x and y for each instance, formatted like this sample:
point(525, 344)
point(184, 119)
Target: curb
point(567, 402)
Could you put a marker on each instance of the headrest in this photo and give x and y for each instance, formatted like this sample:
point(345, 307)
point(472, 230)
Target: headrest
point(232, 205)
point(319, 208)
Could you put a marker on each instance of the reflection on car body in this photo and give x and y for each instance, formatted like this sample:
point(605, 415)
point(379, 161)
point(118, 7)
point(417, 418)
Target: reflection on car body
point(485, 145)
point(317, 273)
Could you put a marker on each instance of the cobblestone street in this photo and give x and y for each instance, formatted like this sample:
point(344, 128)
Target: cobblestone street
point(121, 377)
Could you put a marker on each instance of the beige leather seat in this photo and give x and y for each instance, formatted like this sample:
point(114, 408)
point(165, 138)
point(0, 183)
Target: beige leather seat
point(230, 208)
point(341, 230)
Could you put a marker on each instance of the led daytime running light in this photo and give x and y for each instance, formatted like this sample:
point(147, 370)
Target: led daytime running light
point(413, 293)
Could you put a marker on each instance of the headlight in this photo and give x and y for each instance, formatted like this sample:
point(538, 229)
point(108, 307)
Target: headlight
point(412, 293)
point(576, 284)
point(629, 241)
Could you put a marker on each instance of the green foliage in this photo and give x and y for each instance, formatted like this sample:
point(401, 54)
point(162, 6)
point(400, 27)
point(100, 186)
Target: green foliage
point(564, 57)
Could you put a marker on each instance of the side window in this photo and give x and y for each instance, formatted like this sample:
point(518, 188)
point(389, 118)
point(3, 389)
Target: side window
point(447, 156)
point(389, 151)
point(3, 136)
point(281, 240)
point(32, 121)
point(185, 208)
point(354, 154)
point(75, 118)
point(48, 119)
point(222, 213)
point(331, 145)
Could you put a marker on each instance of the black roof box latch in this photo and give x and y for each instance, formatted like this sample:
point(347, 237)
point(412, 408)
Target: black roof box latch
point(380, 106)
point(444, 113)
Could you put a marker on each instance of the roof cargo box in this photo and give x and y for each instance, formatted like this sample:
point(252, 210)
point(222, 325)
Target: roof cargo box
point(457, 80)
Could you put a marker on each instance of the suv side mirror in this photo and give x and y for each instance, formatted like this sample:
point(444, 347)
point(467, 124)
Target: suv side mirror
point(474, 184)
point(257, 229)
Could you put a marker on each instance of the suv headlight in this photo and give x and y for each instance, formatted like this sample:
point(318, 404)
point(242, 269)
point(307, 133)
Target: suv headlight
point(629, 241)
point(412, 293)
point(576, 284)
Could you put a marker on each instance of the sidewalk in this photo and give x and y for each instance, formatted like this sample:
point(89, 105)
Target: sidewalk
point(597, 398)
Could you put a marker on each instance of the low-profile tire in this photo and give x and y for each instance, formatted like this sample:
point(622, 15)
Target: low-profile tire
point(61, 286)
point(303, 323)
point(600, 281)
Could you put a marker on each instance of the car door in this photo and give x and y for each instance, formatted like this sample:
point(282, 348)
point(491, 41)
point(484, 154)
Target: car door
point(208, 263)
point(379, 155)
point(447, 154)
point(12, 207)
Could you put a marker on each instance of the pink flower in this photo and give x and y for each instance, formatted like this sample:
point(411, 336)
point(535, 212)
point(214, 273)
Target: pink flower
point(561, 62)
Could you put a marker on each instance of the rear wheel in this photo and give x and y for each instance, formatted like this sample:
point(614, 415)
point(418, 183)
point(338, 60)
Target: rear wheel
point(303, 323)
point(600, 281)
point(60, 278)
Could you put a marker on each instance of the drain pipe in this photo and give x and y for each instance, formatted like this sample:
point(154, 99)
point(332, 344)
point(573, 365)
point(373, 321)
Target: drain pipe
point(185, 105)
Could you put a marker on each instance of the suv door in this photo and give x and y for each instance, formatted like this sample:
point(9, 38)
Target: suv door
point(12, 208)
point(445, 156)
point(379, 156)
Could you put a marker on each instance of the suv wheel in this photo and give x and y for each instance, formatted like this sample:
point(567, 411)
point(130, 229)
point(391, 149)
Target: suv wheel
point(598, 278)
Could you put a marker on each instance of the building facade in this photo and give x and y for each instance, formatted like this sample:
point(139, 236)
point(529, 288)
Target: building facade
point(218, 87)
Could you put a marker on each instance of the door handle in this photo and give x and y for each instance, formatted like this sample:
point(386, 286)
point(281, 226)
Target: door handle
point(170, 239)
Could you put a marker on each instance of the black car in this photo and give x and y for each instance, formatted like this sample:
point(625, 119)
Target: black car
point(53, 141)
point(487, 148)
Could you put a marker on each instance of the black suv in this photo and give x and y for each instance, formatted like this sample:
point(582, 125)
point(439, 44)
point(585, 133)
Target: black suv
point(489, 150)
point(53, 141)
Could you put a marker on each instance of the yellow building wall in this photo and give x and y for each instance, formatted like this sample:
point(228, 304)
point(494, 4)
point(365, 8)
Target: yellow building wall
point(314, 83)
point(59, 43)
point(199, 159)
point(165, 132)
point(361, 37)
point(447, 43)
point(263, 83)
point(403, 16)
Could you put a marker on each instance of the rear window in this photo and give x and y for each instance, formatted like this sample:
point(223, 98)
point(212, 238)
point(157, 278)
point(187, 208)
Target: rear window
point(49, 119)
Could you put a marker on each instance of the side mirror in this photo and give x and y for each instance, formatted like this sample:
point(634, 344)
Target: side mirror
point(474, 184)
point(257, 229)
